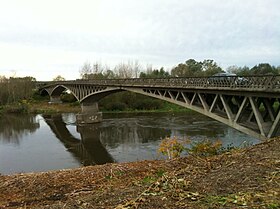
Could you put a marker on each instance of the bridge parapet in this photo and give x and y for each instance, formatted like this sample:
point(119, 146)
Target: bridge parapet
point(268, 83)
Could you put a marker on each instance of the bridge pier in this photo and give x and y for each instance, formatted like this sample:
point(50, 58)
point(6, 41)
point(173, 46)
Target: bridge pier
point(89, 114)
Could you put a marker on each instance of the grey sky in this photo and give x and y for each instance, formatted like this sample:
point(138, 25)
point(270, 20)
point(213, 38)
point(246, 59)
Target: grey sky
point(44, 39)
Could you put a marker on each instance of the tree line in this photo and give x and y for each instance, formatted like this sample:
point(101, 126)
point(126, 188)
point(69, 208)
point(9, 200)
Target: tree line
point(15, 89)
point(130, 69)
point(190, 68)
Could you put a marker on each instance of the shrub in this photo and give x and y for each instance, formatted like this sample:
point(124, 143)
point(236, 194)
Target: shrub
point(69, 98)
point(171, 147)
point(205, 148)
point(117, 106)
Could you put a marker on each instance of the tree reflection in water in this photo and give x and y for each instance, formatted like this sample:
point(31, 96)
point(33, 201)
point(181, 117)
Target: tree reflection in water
point(12, 129)
point(88, 150)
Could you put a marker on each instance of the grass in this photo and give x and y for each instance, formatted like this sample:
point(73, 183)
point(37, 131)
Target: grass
point(43, 106)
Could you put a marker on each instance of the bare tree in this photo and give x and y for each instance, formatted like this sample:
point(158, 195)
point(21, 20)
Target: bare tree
point(85, 70)
point(136, 68)
point(131, 69)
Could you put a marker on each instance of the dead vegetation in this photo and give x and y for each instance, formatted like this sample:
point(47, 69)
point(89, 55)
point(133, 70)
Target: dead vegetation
point(247, 178)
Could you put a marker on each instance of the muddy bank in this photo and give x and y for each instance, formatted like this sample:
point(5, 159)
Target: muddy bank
point(242, 178)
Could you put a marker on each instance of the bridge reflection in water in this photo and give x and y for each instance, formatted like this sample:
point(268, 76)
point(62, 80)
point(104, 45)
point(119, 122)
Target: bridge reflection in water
point(88, 150)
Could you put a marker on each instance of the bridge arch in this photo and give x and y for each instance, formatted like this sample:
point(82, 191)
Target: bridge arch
point(97, 96)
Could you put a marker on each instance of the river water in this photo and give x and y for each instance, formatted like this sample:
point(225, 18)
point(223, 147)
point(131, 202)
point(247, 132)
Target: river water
point(32, 143)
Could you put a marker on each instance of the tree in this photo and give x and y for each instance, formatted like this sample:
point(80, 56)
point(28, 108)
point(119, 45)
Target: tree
point(93, 71)
point(193, 68)
point(155, 73)
point(210, 67)
point(85, 70)
point(187, 69)
point(130, 69)
point(15, 89)
point(240, 71)
point(263, 68)
point(59, 78)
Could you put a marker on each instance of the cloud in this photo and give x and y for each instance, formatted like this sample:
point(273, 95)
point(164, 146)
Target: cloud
point(59, 36)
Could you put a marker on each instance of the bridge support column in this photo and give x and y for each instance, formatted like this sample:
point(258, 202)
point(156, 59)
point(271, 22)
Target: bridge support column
point(89, 114)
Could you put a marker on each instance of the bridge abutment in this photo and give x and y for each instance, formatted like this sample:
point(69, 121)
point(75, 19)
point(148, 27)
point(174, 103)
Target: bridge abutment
point(90, 114)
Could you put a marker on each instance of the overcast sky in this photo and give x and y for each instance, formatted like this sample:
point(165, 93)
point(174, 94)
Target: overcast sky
point(46, 38)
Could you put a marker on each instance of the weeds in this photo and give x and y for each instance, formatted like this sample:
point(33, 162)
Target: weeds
point(173, 147)
point(205, 148)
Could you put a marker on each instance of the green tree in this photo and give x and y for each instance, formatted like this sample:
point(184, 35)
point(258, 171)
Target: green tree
point(187, 69)
point(59, 78)
point(194, 68)
point(262, 69)
point(15, 89)
point(155, 73)
point(210, 67)
point(240, 71)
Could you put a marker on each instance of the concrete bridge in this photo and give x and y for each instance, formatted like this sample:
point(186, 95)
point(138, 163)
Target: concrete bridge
point(248, 104)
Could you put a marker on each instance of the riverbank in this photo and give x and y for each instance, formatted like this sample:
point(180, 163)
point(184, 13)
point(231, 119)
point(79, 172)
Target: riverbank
point(41, 107)
point(244, 178)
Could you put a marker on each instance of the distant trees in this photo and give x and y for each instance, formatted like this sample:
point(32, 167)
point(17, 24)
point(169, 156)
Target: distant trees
point(264, 68)
point(130, 69)
point(97, 70)
point(92, 71)
point(59, 78)
point(194, 68)
point(209, 67)
point(154, 73)
point(260, 69)
point(15, 89)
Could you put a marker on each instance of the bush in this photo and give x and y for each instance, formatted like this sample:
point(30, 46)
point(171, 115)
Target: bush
point(205, 148)
point(173, 147)
point(69, 98)
point(147, 104)
point(117, 106)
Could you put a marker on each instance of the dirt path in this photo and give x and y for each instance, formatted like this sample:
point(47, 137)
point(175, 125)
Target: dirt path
point(248, 178)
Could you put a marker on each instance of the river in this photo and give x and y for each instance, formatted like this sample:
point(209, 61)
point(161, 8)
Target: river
point(32, 143)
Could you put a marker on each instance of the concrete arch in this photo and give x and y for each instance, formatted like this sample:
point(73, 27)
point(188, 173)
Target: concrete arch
point(57, 91)
point(44, 92)
point(97, 96)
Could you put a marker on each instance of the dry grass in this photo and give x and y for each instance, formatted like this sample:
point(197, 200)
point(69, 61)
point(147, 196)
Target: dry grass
point(247, 178)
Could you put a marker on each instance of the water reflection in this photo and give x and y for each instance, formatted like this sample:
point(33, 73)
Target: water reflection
point(130, 131)
point(88, 150)
point(14, 127)
point(55, 142)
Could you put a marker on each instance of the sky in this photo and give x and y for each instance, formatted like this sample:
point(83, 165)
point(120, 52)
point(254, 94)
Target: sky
point(47, 38)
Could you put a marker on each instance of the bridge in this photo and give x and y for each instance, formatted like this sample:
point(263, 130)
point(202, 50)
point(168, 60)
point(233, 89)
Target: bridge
point(249, 104)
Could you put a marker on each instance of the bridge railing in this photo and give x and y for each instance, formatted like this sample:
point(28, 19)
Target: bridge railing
point(245, 82)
